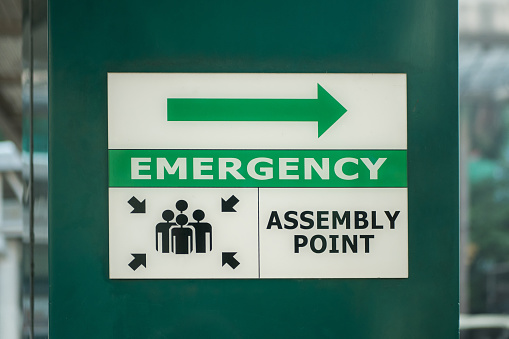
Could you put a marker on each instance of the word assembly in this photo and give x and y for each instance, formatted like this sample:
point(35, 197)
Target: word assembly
point(336, 220)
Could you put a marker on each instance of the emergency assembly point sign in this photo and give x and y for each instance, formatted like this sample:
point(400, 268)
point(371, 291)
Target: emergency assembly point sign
point(257, 176)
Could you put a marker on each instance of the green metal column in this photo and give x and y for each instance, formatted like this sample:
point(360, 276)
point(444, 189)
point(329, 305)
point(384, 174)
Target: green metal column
point(88, 39)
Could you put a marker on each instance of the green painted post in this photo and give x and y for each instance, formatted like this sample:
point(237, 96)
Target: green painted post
point(89, 39)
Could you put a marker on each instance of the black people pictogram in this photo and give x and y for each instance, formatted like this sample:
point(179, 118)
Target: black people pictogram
point(181, 235)
point(163, 229)
point(201, 229)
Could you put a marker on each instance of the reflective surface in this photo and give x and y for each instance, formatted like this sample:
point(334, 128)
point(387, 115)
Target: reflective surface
point(35, 170)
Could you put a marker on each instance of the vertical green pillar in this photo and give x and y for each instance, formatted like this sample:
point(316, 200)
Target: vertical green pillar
point(88, 40)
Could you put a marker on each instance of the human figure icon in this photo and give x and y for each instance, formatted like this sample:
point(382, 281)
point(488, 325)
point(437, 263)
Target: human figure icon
point(181, 237)
point(201, 229)
point(163, 228)
point(181, 205)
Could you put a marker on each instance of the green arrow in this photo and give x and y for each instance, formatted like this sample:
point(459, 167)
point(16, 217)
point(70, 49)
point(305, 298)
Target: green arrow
point(325, 110)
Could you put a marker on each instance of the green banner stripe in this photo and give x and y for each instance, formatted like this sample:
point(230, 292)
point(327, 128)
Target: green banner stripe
point(257, 168)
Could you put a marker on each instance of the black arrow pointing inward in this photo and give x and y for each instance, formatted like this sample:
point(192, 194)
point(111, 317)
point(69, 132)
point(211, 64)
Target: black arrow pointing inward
point(230, 260)
point(138, 207)
point(139, 259)
point(227, 205)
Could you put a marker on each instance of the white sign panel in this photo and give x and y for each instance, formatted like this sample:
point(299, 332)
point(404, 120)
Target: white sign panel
point(215, 176)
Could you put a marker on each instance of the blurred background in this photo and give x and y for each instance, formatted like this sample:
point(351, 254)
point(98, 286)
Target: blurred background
point(23, 169)
point(484, 168)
